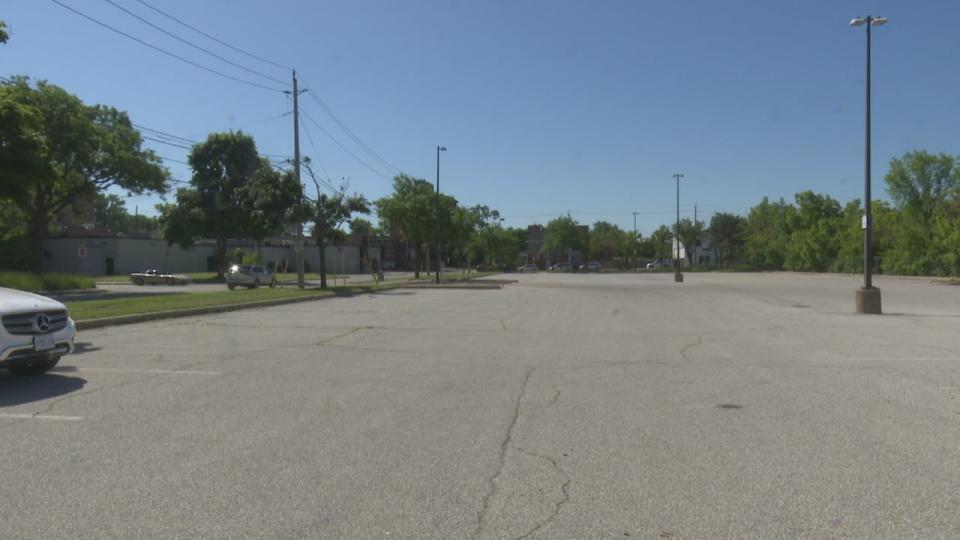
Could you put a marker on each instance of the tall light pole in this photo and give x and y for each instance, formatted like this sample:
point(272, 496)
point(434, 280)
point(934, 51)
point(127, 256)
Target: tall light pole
point(437, 224)
point(677, 276)
point(635, 240)
point(867, 299)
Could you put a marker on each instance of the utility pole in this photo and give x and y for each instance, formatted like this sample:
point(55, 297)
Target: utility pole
point(677, 276)
point(296, 173)
point(437, 207)
point(696, 234)
point(635, 240)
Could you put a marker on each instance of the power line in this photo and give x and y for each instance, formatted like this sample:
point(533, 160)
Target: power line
point(169, 143)
point(363, 146)
point(173, 160)
point(164, 51)
point(344, 148)
point(208, 36)
point(194, 45)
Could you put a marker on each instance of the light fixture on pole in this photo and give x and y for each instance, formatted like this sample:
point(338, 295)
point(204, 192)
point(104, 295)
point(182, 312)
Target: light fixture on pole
point(867, 299)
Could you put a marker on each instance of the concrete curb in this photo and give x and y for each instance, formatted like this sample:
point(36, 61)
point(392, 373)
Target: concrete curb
point(190, 312)
point(68, 292)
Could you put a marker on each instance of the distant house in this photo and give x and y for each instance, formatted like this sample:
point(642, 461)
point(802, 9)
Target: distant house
point(705, 254)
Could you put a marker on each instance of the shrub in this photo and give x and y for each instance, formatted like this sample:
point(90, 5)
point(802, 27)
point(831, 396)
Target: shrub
point(54, 281)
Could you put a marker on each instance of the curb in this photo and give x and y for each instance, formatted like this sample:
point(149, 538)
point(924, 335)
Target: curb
point(66, 292)
point(190, 312)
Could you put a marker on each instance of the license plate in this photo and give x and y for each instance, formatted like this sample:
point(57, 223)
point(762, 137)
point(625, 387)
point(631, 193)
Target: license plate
point(43, 343)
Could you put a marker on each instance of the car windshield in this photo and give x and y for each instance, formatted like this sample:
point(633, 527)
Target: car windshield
point(537, 269)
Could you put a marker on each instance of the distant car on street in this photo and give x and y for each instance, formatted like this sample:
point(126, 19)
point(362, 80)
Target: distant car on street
point(157, 277)
point(592, 266)
point(35, 333)
point(528, 268)
point(561, 267)
point(659, 263)
point(250, 276)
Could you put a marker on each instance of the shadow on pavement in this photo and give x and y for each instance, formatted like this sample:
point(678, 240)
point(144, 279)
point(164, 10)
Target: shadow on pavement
point(82, 347)
point(15, 390)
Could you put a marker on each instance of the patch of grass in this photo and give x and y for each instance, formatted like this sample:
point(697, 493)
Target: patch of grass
point(53, 281)
point(94, 309)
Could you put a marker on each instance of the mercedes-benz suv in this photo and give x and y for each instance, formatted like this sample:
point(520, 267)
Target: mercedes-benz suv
point(35, 332)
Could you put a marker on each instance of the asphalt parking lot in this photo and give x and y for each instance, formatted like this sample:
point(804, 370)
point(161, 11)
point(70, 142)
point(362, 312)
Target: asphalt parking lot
point(562, 406)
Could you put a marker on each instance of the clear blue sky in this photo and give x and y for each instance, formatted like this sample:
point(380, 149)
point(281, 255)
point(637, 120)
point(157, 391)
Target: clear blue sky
point(545, 106)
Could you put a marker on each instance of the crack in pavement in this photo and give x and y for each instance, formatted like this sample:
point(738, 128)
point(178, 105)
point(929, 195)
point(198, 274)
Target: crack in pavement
point(564, 491)
point(688, 346)
point(504, 446)
point(338, 336)
point(502, 325)
point(556, 396)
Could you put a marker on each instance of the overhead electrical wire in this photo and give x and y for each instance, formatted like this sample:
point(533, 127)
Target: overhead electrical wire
point(356, 139)
point(208, 36)
point(166, 52)
point(344, 148)
point(194, 45)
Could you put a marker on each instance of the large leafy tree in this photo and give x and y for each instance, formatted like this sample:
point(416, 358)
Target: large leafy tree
point(661, 242)
point(233, 193)
point(4, 35)
point(57, 151)
point(812, 244)
point(410, 212)
point(766, 232)
point(561, 235)
point(726, 230)
point(329, 212)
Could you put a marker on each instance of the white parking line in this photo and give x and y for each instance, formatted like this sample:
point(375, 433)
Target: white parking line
point(40, 417)
point(152, 371)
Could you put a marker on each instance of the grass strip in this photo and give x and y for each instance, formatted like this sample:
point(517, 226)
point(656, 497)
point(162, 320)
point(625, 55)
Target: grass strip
point(95, 309)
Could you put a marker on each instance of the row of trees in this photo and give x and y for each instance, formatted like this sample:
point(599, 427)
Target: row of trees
point(917, 233)
point(57, 152)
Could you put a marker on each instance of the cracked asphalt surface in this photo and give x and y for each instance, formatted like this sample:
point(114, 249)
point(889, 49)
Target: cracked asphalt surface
point(563, 406)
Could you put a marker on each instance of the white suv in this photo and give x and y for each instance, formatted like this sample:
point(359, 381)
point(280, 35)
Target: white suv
point(35, 332)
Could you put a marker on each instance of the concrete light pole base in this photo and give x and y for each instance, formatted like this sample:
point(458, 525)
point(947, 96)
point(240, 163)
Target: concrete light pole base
point(678, 277)
point(868, 301)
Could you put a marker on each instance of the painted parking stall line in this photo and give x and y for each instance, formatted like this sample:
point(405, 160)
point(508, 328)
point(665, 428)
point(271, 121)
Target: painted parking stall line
point(23, 416)
point(151, 371)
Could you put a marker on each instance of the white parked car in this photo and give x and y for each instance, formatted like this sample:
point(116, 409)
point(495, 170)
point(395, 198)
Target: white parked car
point(35, 332)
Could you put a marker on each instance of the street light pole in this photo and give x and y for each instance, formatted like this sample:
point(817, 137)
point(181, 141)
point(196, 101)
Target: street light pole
point(437, 216)
point(634, 245)
point(677, 276)
point(867, 299)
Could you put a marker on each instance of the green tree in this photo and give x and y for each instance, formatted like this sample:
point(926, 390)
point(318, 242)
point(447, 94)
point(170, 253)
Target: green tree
point(726, 230)
point(561, 235)
point(606, 241)
point(661, 240)
point(812, 244)
point(766, 234)
point(410, 213)
point(63, 151)
point(361, 227)
point(4, 35)
point(328, 214)
point(233, 193)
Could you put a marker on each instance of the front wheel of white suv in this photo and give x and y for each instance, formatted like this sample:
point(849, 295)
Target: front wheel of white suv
point(35, 367)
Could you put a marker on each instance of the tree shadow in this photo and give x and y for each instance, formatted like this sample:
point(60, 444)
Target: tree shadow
point(17, 390)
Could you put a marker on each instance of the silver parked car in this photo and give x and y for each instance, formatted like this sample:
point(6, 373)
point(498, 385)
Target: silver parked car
point(250, 276)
